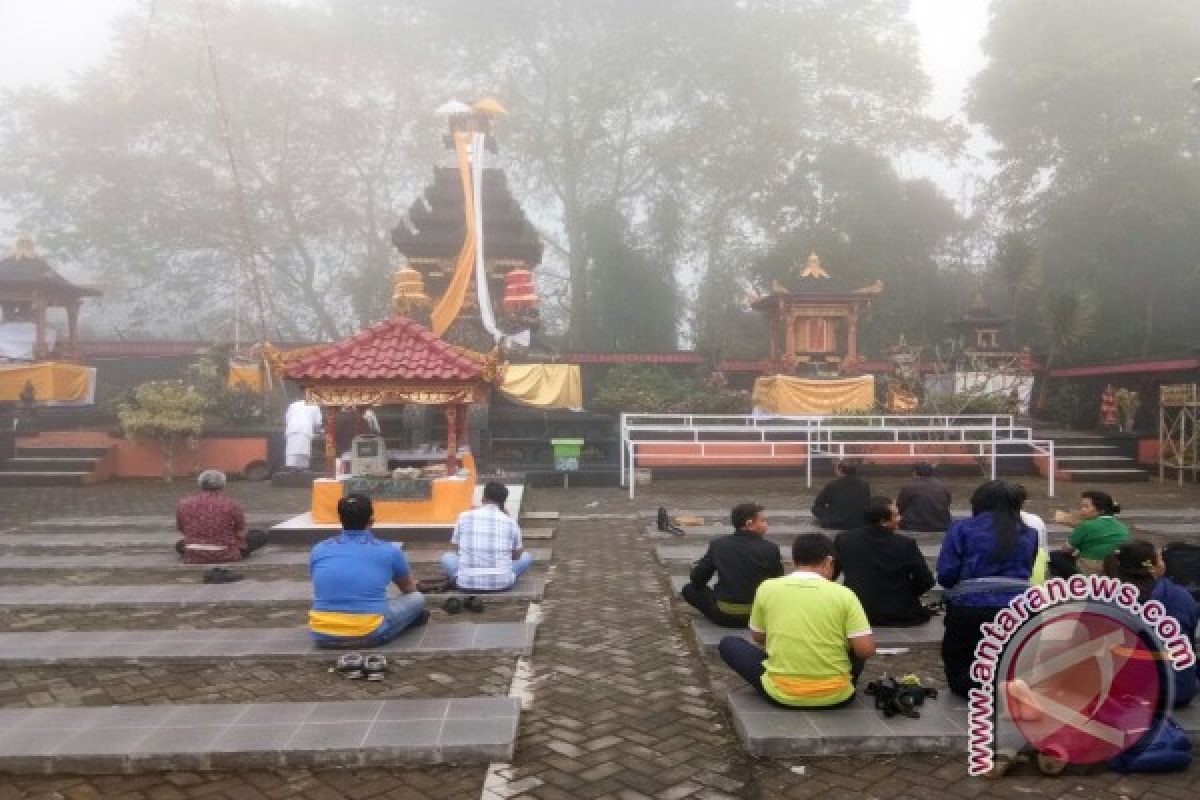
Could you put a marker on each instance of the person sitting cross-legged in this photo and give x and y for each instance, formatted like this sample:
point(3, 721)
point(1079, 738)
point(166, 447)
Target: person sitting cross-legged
point(924, 502)
point(885, 569)
point(815, 632)
point(489, 557)
point(350, 575)
point(741, 561)
point(840, 505)
point(213, 525)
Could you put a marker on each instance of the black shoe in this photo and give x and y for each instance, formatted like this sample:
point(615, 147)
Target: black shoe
point(473, 603)
point(222, 575)
point(452, 605)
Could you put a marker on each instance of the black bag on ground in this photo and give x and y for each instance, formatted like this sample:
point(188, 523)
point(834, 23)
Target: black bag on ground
point(1183, 565)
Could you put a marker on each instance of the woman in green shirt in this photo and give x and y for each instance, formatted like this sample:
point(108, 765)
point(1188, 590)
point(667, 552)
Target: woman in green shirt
point(1098, 533)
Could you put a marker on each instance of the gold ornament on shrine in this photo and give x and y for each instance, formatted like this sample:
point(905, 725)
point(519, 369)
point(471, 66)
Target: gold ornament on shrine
point(408, 294)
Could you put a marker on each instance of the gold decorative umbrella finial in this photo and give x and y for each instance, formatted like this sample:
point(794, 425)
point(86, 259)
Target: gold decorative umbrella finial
point(813, 268)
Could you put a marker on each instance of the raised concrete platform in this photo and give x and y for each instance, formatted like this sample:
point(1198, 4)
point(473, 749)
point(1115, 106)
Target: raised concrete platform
point(536, 533)
point(679, 581)
point(708, 635)
point(859, 729)
point(785, 533)
point(244, 593)
point(122, 739)
point(95, 648)
point(301, 530)
point(168, 561)
point(688, 553)
point(538, 516)
point(158, 521)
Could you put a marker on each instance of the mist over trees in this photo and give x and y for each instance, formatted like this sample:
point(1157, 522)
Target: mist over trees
point(676, 156)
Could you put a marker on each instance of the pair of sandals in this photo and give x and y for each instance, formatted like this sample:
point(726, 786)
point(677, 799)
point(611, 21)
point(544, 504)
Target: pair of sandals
point(356, 666)
point(453, 605)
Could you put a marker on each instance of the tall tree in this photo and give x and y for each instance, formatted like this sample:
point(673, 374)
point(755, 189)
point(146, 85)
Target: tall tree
point(1098, 134)
point(126, 171)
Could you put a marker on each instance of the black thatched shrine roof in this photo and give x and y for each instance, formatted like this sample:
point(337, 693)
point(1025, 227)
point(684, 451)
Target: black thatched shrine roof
point(435, 226)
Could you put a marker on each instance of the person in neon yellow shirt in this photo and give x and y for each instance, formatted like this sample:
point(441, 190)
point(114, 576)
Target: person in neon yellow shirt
point(815, 633)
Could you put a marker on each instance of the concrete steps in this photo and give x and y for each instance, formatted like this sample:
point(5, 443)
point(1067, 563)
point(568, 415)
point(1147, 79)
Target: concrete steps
point(52, 466)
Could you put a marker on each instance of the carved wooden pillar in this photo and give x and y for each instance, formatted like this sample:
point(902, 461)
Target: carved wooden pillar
point(790, 339)
point(774, 340)
point(72, 349)
point(40, 350)
point(329, 413)
point(852, 338)
point(452, 413)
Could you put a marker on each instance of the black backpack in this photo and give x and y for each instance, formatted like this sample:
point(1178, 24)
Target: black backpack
point(1183, 566)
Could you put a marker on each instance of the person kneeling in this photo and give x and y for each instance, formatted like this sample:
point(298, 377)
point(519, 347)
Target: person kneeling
point(350, 575)
point(815, 632)
point(741, 561)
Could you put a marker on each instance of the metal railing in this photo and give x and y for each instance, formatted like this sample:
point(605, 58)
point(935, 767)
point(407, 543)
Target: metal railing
point(832, 438)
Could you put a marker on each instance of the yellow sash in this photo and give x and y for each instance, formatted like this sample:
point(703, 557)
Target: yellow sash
point(339, 623)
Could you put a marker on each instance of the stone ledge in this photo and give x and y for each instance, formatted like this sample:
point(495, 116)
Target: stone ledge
point(124, 739)
point(167, 560)
point(245, 593)
point(95, 648)
point(859, 729)
point(709, 635)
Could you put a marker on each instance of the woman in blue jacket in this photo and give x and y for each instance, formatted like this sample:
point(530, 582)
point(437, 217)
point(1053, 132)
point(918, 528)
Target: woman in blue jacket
point(985, 562)
point(1139, 562)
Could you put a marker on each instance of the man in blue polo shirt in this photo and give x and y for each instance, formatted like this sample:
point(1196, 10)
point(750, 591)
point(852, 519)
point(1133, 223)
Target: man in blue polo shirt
point(350, 575)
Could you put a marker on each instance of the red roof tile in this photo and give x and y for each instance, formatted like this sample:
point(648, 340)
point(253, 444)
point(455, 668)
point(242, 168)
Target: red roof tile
point(395, 349)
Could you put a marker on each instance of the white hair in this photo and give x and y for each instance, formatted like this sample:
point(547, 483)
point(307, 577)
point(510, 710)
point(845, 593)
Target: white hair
point(212, 480)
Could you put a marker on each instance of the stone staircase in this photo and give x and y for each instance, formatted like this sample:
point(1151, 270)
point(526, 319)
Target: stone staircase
point(53, 465)
point(1090, 458)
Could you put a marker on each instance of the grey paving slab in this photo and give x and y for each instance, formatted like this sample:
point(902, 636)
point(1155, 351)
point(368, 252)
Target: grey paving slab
point(859, 729)
point(88, 648)
point(219, 736)
point(709, 635)
point(175, 595)
point(538, 515)
point(168, 560)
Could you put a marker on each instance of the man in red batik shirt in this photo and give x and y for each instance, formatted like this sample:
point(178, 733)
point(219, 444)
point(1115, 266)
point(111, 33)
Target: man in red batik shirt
point(213, 525)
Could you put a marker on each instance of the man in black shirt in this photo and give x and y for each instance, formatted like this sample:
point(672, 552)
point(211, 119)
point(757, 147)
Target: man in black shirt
point(841, 504)
point(742, 560)
point(924, 502)
point(884, 568)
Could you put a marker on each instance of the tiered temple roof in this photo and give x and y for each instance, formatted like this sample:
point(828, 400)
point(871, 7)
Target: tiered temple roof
point(435, 226)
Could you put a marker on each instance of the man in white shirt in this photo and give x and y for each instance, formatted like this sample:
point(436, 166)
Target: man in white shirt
point(300, 426)
point(489, 557)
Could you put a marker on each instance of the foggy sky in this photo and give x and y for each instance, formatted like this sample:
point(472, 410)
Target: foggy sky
point(46, 41)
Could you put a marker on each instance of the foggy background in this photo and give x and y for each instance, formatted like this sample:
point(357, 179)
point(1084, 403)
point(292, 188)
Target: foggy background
point(678, 157)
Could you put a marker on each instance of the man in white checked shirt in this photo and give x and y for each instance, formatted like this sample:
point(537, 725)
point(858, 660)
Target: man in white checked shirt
point(489, 557)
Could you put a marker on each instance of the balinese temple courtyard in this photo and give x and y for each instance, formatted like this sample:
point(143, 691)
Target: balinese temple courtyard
point(617, 695)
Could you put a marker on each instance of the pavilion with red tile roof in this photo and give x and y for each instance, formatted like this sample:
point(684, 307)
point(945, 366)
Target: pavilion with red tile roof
point(397, 361)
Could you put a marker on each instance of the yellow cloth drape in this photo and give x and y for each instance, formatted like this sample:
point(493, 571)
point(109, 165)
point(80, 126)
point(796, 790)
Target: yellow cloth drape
point(901, 400)
point(451, 303)
point(544, 385)
point(248, 375)
point(781, 394)
point(54, 383)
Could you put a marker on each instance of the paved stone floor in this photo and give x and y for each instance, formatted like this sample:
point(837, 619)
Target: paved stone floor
point(623, 706)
